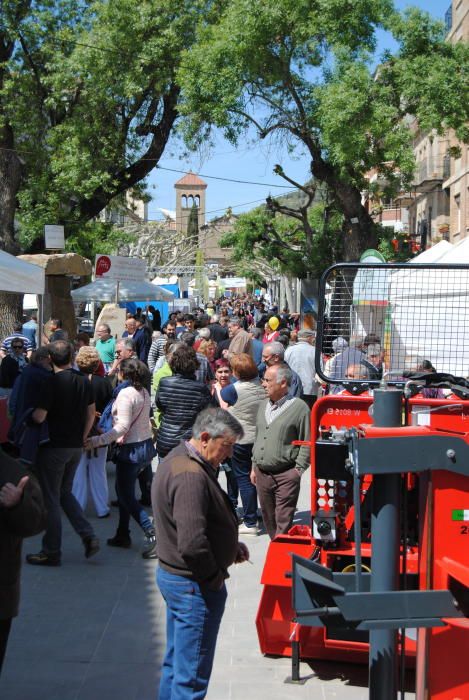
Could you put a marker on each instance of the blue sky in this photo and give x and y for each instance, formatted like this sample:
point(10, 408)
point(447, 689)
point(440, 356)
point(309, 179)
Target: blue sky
point(252, 162)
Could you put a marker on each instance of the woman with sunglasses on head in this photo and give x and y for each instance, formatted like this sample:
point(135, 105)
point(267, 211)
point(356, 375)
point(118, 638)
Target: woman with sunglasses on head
point(209, 349)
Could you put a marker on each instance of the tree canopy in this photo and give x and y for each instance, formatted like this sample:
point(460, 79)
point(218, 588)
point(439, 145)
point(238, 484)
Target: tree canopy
point(304, 71)
point(266, 241)
point(88, 100)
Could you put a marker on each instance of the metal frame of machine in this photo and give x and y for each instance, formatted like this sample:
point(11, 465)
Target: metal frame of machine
point(382, 574)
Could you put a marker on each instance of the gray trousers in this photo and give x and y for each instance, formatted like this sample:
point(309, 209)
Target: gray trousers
point(56, 467)
point(278, 496)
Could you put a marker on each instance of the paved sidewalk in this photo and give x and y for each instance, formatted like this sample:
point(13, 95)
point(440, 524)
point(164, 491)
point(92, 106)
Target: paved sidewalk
point(93, 630)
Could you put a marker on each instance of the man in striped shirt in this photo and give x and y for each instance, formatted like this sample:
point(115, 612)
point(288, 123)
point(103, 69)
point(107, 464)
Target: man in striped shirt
point(17, 333)
point(158, 345)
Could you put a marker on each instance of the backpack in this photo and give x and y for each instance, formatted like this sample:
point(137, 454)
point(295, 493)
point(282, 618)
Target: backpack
point(104, 424)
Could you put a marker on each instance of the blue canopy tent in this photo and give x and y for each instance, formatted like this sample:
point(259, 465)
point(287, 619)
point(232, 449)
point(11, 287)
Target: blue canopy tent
point(161, 306)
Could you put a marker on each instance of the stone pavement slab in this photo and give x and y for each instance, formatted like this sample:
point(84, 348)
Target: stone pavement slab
point(95, 629)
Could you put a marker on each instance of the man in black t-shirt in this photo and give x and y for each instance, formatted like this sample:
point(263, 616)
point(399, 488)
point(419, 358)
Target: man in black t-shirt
point(68, 405)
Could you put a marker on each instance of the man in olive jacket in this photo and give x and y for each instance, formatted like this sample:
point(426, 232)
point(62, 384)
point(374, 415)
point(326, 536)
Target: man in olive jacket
point(22, 514)
point(277, 465)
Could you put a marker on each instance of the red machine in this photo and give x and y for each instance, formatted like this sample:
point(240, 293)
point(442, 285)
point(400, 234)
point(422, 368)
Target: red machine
point(437, 554)
point(389, 471)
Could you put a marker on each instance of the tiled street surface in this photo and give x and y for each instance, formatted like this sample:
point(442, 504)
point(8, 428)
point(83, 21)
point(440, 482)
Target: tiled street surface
point(95, 630)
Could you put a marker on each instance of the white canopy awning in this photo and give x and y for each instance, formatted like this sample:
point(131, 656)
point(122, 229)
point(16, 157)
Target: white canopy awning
point(105, 290)
point(458, 253)
point(20, 276)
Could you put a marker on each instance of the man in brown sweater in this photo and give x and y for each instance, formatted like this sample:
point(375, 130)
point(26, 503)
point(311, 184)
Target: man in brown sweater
point(197, 541)
point(22, 514)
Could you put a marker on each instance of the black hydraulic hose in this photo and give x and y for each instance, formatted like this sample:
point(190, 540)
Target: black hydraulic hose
point(405, 525)
point(357, 524)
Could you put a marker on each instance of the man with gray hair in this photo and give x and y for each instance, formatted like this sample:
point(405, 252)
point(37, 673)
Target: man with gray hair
point(300, 357)
point(217, 331)
point(203, 334)
point(273, 354)
point(197, 541)
point(353, 355)
point(277, 465)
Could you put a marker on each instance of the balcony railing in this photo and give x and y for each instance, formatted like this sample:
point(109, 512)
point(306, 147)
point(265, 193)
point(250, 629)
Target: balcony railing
point(433, 169)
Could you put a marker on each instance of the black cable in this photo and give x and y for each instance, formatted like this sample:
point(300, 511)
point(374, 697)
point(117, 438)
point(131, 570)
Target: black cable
point(216, 177)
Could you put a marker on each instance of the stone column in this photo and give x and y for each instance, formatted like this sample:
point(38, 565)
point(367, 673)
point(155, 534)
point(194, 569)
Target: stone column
point(59, 270)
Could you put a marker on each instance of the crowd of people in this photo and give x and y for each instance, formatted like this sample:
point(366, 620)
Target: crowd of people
point(220, 396)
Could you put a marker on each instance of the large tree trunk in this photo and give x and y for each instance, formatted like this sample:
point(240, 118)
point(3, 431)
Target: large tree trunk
point(10, 180)
point(360, 231)
point(11, 310)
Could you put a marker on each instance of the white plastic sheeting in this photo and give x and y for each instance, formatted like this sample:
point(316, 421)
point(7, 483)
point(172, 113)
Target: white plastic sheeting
point(20, 276)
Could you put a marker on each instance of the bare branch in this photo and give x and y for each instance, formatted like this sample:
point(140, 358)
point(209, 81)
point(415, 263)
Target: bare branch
point(310, 190)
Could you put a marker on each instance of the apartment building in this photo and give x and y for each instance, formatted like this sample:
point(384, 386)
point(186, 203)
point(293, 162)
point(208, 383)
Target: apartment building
point(437, 205)
point(429, 206)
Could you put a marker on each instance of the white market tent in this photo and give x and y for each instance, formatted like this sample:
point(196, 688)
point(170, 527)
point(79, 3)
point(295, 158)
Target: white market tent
point(125, 290)
point(458, 253)
point(19, 276)
point(433, 254)
point(418, 314)
point(430, 311)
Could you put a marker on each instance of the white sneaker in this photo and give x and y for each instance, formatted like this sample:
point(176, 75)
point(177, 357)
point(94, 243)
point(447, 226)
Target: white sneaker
point(246, 530)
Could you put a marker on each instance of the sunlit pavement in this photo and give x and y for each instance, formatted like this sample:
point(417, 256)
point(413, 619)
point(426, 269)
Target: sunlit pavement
point(95, 630)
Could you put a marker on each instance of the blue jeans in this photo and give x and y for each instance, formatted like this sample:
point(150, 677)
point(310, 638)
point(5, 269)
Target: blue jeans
point(126, 476)
point(241, 466)
point(193, 616)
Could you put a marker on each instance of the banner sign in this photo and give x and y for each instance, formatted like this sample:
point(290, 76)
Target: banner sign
point(115, 267)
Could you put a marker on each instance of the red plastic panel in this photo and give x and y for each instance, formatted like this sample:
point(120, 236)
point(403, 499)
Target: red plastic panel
point(442, 669)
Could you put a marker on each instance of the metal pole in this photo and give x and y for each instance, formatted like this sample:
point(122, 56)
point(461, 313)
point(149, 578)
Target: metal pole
point(295, 661)
point(40, 320)
point(385, 543)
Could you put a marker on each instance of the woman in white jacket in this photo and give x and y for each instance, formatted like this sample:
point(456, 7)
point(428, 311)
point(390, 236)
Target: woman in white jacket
point(132, 432)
